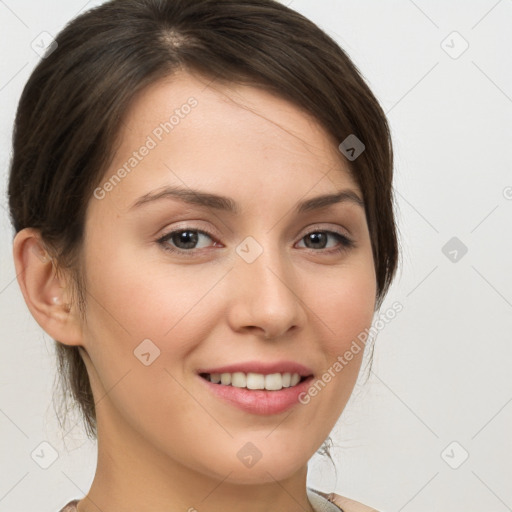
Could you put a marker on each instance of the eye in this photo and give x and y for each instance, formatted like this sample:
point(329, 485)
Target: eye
point(319, 240)
point(185, 240)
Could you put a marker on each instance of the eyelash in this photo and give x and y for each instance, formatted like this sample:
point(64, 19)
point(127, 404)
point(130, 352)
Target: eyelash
point(345, 242)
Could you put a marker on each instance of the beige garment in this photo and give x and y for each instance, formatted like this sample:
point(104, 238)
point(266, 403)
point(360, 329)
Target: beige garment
point(346, 504)
point(70, 507)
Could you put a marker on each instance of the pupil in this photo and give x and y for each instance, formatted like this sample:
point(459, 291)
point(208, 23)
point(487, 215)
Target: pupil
point(317, 237)
point(189, 238)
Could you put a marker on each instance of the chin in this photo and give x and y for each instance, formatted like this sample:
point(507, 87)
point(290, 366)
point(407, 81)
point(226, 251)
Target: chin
point(248, 467)
point(261, 473)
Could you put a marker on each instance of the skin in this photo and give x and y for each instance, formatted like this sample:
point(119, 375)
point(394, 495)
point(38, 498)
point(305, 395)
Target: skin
point(164, 442)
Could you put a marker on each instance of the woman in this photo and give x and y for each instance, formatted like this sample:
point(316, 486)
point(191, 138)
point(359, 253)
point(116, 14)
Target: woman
point(202, 198)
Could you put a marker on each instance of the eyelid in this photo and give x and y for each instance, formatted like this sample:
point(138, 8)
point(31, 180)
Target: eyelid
point(321, 226)
point(191, 225)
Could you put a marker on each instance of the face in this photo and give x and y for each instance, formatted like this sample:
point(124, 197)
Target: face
point(179, 282)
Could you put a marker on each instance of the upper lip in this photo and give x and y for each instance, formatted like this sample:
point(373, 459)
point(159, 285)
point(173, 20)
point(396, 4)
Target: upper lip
point(261, 367)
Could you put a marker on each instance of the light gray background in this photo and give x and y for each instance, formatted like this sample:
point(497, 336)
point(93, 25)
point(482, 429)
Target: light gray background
point(442, 366)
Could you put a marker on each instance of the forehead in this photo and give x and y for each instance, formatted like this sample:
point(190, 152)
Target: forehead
point(163, 97)
point(205, 131)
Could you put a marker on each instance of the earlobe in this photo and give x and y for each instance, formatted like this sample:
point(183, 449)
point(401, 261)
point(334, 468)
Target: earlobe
point(45, 292)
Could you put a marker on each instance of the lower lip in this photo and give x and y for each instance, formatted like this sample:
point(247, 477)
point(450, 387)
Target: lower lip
point(260, 401)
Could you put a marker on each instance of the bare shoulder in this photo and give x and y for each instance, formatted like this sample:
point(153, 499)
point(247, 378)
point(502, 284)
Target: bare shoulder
point(346, 504)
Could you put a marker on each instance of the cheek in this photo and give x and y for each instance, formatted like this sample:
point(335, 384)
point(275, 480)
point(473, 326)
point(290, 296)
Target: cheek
point(355, 307)
point(344, 301)
point(343, 308)
point(142, 296)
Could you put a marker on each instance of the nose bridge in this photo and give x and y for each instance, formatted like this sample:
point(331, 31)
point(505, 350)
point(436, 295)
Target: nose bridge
point(266, 297)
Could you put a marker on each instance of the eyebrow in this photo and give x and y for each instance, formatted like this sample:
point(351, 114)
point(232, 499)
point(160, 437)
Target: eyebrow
point(222, 203)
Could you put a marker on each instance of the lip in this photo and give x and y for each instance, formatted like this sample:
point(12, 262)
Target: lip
point(261, 367)
point(258, 401)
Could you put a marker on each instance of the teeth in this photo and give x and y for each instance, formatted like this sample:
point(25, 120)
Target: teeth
point(238, 380)
point(271, 382)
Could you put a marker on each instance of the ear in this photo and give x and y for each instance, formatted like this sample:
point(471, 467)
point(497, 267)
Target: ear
point(46, 293)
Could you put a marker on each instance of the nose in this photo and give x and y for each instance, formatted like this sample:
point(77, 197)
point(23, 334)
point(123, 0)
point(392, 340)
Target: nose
point(265, 299)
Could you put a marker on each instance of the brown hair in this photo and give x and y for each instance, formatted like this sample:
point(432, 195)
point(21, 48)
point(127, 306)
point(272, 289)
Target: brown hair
point(68, 117)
